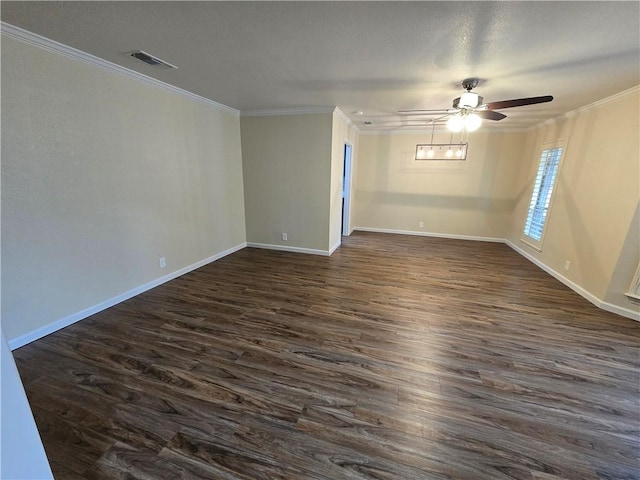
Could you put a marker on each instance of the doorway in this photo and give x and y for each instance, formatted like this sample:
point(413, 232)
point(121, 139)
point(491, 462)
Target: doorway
point(346, 189)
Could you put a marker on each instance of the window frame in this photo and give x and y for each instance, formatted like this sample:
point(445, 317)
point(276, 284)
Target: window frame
point(634, 289)
point(530, 241)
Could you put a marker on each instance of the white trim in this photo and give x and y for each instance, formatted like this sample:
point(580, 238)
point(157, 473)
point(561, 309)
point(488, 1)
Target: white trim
point(625, 312)
point(30, 38)
point(414, 130)
point(430, 234)
point(525, 239)
point(335, 247)
point(347, 187)
point(590, 106)
point(609, 307)
point(618, 310)
point(612, 98)
point(344, 117)
point(632, 297)
point(558, 276)
point(87, 312)
point(634, 289)
point(561, 143)
point(273, 112)
point(285, 248)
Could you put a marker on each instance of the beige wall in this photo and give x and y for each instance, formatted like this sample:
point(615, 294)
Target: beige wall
point(103, 174)
point(343, 132)
point(593, 222)
point(287, 180)
point(467, 198)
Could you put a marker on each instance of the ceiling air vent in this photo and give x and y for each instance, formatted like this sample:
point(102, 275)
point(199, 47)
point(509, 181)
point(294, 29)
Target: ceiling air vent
point(151, 60)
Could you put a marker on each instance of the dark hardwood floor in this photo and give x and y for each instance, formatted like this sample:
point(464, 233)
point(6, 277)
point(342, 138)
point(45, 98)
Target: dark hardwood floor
point(397, 358)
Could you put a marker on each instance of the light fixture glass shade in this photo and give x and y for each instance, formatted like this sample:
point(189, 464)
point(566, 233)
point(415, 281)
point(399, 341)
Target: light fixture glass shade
point(468, 100)
point(449, 152)
point(420, 153)
point(430, 153)
point(455, 123)
point(472, 122)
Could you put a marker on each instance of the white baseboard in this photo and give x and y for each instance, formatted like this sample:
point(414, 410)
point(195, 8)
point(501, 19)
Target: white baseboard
point(430, 234)
point(335, 247)
point(87, 312)
point(75, 317)
point(598, 302)
point(284, 248)
point(618, 310)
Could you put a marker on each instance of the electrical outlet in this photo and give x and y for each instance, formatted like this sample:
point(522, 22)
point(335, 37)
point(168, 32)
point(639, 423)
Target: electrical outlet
point(421, 224)
point(567, 265)
point(163, 262)
point(284, 236)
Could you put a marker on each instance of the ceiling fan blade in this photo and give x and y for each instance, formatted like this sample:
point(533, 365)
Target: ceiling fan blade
point(490, 115)
point(520, 102)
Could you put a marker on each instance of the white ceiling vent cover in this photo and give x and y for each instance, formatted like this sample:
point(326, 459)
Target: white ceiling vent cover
point(151, 60)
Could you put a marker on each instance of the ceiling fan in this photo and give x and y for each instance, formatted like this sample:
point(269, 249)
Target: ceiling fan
point(469, 110)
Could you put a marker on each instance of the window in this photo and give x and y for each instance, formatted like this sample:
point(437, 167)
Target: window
point(634, 289)
point(541, 195)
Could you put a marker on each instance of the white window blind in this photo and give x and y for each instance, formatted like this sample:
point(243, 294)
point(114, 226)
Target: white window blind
point(542, 190)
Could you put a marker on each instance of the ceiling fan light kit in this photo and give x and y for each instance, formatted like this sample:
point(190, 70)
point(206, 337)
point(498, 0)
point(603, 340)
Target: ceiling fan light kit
point(470, 103)
point(467, 114)
point(464, 121)
point(467, 100)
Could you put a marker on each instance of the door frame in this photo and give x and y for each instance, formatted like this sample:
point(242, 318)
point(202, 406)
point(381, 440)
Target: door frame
point(346, 188)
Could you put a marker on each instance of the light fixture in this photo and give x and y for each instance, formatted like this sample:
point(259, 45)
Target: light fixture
point(465, 120)
point(472, 122)
point(468, 100)
point(455, 123)
point(430, 153)
point(441, 151)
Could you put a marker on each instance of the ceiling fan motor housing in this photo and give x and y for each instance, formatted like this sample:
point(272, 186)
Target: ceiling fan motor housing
point(469, 83)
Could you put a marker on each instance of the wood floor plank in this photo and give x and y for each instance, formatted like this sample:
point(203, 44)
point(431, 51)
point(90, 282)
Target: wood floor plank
point(397, 357)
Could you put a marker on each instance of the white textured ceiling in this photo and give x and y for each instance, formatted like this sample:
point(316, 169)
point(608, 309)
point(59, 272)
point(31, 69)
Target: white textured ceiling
point(374, 57)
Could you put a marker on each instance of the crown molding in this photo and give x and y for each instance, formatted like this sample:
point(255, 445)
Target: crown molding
point(423, 131)
point(612, 98)
point(44, 43)
point(343, 116)
point(598, 103)
point(551, 121)
point(350, 123)
point(274, 112)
